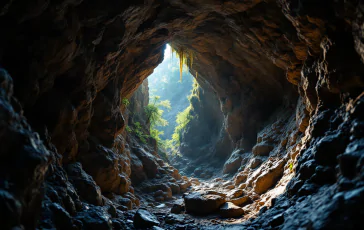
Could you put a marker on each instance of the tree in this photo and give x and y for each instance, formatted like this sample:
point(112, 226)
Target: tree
point(154, 117)
point(154, 112)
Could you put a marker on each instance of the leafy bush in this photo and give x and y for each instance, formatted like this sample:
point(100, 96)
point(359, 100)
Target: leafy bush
point(138, 130)
point(128, 129)
point(125, 102)
point(154, 112)
point(154, 117)
point(182, 119)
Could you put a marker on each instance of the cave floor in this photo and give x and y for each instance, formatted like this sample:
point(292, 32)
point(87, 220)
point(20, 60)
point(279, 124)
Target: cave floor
point(184, 220)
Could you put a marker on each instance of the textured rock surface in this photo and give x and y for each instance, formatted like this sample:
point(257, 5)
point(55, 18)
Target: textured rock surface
point(230, 210)
point(288, 74)
point(203, 203)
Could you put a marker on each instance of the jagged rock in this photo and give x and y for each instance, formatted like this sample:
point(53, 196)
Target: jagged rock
point(85, 185)
point(144, 219)
point(277, 220)
point(62, 219)
point(137, 170)
point(235, 193)
point(269, 178)
point(24, 162)
point(177, 208)
point(203, 203)
point(79, 60)
point(150, 164)
point(241, 201)
point(262, 149)
point(105, 166)
point(184, 186)
point(240, 177)
point(255, 163)
point(174, 187)
point(174, 219)
point(95, 218)
point(230, 210)
point(233, 163)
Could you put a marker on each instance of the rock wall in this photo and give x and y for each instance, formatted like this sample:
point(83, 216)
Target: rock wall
point(72, 62)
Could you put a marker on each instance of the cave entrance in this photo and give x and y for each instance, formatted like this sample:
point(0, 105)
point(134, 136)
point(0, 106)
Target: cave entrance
point(168, 111)
point(183, 115)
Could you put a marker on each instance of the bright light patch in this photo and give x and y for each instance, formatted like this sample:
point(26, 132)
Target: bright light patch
point(167, 52)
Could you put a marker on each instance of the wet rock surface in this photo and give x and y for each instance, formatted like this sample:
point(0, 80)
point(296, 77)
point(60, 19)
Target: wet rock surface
point(143, 219)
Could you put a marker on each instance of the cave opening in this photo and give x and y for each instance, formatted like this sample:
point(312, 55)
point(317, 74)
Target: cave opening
point(275, 132)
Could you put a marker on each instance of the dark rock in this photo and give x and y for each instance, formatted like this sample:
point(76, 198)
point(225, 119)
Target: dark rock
point(324, 175)
point(307, 169)
point(178, 208)
point(174, 219)
point(293, 186)
point(276, 220)
point(10, 208)
point(203, 203)
point(230, 210)
point(144, 219)
point(307, 189)
point(84, 184)
point(328, 148)
point(149, 161)
point(61, 217)
point(95, 218)
point(348, 163)
point(233, 163)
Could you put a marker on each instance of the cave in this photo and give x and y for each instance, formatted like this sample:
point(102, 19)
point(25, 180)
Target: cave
point(280, 108)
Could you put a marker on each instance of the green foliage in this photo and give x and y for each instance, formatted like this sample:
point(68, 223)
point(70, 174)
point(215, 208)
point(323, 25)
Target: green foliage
point(128, 129)
point(138, 130)
point(154, 113)
point(182, 119)
point(125, 102)
point(154, 116)
point(291, 166)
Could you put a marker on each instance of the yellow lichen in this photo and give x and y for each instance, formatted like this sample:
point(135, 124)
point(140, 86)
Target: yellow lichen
point(185, 56)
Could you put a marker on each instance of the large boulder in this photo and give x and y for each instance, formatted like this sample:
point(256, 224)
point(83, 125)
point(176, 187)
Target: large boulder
point(84, 184)
point(150, 163)
point(95, 218)
point(233, 163)
point(144, 219)
point(137, 170)
point(203, 203)
point(105, 166)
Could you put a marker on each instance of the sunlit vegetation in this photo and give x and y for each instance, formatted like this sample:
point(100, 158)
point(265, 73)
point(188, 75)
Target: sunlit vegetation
point(138, 131)
point(168, 122)
point(154, 114)
point(183, 118)
point(125, 102)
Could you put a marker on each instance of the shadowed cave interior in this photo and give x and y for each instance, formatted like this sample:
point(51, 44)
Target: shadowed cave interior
point(271, 136)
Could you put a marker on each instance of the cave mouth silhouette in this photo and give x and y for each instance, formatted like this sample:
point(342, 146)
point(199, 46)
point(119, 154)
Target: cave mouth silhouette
point(287, 75)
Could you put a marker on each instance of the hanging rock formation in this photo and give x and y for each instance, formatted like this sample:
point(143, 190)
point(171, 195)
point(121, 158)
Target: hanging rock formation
point(288, 75)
